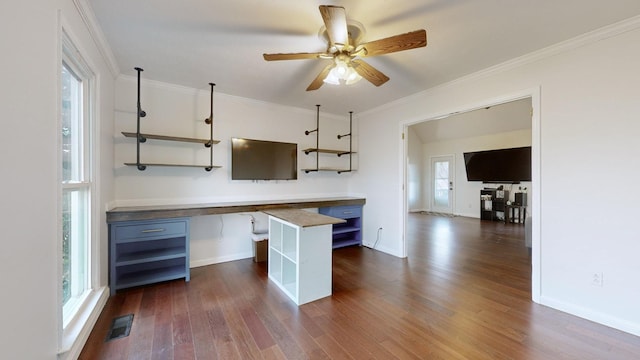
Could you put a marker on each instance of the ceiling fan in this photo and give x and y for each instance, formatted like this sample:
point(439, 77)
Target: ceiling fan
point(344, 48)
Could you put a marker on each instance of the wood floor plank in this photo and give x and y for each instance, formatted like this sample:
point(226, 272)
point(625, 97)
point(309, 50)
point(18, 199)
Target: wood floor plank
point(278, 331)
point(148, 302)
point(463, 293)
point(162, 347)
point(203, 343)
point(400, 352)
point(258, 331)
point(241, 335)
point(182, 330)
point(346, 338)
point(142, 338)
point(179, 299)
point(183, 352)
point(273, 353)
point(221, 335)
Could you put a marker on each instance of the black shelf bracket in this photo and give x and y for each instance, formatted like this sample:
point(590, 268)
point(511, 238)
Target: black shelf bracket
point(139, 113)
point(317, 131)
point(350, 144)
point(209, 121)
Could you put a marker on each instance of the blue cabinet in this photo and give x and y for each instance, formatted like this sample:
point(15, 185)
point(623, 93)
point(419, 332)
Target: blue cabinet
point(149, 251)
point(350, 232)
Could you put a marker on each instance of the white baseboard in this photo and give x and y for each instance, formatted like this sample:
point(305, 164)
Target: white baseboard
point(382, 249)
point(219, 259)
point(598, 317)
point(417, 210)
point(469, 215)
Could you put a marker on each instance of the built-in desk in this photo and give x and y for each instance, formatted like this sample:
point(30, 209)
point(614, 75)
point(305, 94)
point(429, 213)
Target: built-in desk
point(148, 244)
point(129, 213)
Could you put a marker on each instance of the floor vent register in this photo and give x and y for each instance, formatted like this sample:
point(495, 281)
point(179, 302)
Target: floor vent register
point(120, 327)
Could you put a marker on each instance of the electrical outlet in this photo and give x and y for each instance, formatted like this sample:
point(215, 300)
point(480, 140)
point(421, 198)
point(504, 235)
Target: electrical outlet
point(596, 279)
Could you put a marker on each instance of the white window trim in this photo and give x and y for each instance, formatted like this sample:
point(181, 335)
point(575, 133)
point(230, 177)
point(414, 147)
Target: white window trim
point(73, 333)
point(73, 62)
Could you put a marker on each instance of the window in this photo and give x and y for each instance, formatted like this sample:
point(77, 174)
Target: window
point(441, 182)
point(76, 181)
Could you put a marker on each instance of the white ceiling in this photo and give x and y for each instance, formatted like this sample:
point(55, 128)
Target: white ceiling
point(510, 116)
point(194, 42)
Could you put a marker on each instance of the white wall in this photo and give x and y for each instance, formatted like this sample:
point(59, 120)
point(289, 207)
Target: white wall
point(415, 173)
point(180, 111)
point(588, 135)
point(29, 214)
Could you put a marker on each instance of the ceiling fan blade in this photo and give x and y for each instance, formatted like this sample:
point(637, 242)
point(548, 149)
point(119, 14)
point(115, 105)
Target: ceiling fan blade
point(411, 40)
point(319, 80)
point(335, 20)
point(291, 56)
point(369, 72)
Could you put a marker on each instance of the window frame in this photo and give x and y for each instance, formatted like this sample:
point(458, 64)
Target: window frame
point(72, 59)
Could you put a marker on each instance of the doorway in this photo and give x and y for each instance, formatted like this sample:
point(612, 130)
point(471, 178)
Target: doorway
point(442, 182)
point(467, 198)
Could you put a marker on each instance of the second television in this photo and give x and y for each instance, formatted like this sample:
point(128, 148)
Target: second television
point(499, 166)
point(263, 160)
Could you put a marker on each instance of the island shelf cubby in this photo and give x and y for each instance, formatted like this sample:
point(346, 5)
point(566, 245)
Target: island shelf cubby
point(300, 253)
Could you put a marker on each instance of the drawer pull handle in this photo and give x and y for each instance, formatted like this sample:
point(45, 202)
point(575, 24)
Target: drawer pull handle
point(153, 230)
point(347, 212)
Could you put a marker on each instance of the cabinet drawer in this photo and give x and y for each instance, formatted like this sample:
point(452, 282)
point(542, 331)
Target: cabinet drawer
point(342, 212)
point(140, 230)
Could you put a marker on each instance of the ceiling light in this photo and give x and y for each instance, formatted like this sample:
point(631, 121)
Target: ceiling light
point(342, 73)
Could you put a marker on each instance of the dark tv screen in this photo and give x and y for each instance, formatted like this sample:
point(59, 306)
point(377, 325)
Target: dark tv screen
point(263, 160)
point(499, 166)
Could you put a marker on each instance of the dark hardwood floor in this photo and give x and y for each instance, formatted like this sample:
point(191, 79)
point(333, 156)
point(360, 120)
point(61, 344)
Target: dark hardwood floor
point(463, 293)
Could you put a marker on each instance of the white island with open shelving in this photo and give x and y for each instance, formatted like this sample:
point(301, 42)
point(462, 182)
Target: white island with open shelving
point(300, 246)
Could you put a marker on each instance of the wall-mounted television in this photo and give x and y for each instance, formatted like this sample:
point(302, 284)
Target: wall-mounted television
point(499, 166)
point(263, 160)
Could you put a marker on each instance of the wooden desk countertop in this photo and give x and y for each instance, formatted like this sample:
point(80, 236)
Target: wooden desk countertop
point(129, 213)
point(303, 218)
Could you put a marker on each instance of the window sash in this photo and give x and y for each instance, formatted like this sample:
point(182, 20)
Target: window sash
point(75, 229)
point(76, 183)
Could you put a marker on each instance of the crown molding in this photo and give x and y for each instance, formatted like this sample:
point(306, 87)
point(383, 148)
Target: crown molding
point(585, 39)
point(205, 92)
point(95, 31)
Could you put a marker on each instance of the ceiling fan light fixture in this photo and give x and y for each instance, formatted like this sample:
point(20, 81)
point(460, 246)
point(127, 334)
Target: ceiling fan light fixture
point(352, 76)
point(342, 73)
point(341, 69)
point(332, 78)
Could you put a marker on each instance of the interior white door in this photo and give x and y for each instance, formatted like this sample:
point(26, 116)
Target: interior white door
point(442, 184)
